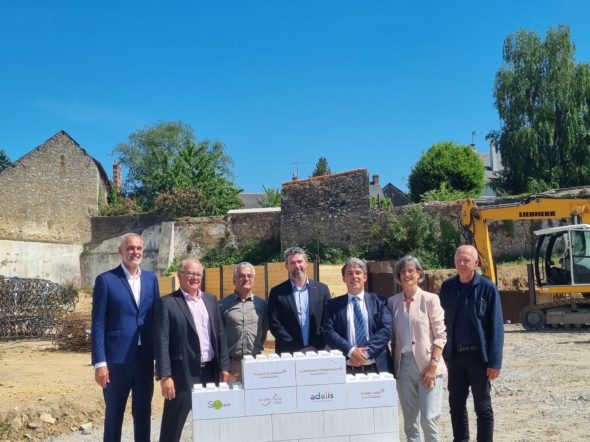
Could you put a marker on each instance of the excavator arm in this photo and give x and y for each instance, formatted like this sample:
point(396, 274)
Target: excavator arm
point(475, 219)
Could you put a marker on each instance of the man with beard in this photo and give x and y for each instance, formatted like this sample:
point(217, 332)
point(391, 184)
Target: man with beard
point(296, 307)
point(122, 348)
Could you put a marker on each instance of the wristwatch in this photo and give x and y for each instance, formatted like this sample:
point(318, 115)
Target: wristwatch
point(437, 360)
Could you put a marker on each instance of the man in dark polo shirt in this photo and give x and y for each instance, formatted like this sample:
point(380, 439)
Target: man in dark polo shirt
point(245, 318)
point(475, 340)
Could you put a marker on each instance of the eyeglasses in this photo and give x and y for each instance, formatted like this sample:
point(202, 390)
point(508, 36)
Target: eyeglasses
point(191, 274)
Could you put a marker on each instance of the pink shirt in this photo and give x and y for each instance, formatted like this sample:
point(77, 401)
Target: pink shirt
point(201, 318)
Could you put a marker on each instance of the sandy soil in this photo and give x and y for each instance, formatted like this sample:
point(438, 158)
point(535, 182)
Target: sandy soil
point(542, 394)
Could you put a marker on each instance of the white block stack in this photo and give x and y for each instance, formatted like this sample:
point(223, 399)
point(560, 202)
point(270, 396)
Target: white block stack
point(301, 397)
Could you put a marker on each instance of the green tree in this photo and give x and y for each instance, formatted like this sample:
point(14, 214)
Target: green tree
point(321, 167)
point(450, 167)
point(543, 100)
point(4, 160)
point(380, 202)
point(165, 157)
point(271, 198)
point(432, 238)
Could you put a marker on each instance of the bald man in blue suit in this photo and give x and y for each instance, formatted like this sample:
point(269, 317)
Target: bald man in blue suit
point(122, 345)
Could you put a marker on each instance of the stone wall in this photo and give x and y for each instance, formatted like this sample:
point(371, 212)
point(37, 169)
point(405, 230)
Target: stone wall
point(51, 193)
point(332, 209)
point(509, 239)
point(253, 224)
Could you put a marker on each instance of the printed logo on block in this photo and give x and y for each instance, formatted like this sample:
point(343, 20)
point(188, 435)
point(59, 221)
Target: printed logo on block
point(326, 396)
point(217, 404)
point(275, 399)
point(372, 394)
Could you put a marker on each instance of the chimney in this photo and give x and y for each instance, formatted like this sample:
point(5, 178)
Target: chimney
point(493, 158)
point(375, 180)
point(117, 182)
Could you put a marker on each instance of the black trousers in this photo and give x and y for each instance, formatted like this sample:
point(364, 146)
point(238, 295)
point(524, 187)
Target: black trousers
point(467, 370)
point(176, 410)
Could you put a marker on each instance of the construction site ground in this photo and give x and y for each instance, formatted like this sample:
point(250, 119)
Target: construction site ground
point(541, 395)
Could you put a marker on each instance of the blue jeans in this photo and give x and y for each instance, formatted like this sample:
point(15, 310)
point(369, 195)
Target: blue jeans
point(419, 404)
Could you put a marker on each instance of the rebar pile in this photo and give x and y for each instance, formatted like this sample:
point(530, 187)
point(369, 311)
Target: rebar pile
point(73, 333)
point(30, 308)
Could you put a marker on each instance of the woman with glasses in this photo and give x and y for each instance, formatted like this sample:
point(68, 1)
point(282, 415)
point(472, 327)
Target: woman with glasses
point(419, 335)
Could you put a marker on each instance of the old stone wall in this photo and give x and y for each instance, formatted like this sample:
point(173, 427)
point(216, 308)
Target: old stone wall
point(253, 224)
point(509, 239)
point(51, 193)
point(332, 209)
point(105, 227)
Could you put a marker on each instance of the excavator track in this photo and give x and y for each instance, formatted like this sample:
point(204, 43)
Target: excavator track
point(574, 313)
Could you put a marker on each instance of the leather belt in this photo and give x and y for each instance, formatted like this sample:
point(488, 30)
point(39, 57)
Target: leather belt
point(464, 348)
point(206, 364)
point(371, 368)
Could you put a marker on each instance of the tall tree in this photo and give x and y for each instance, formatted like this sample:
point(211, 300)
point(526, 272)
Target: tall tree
point(447, 167)
point(543, 100)
point(166, 157)
point(4, 160)
point(321, 167)
point(270, 198)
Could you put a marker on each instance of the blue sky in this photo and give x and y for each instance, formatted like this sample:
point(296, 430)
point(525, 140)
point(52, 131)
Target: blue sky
point(366, 84)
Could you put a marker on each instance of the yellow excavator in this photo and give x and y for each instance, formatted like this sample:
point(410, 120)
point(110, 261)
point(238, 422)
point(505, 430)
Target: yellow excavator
point(560, 281)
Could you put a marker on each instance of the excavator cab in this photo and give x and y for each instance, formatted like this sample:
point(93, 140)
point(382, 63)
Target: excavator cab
point(562, 256)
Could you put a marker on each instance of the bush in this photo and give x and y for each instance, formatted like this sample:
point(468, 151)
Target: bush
point(431, 238)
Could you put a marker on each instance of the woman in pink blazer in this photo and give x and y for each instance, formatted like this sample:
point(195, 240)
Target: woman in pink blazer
point(419, 336)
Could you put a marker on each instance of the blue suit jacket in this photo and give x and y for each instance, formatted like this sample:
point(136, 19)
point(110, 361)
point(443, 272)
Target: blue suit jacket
point(380, 330)
point(283, 320)
point(117, 321)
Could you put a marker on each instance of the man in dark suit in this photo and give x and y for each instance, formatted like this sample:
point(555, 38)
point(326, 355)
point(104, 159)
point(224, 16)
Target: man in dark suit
point(359, 323)
point(122, 347)
point(190, 346)
point(296, 307)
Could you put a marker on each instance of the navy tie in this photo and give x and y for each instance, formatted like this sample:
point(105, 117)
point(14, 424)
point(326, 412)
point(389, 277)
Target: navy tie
point(360, 333)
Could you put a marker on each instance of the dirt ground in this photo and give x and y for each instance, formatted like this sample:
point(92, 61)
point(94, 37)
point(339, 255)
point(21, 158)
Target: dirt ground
point(542, 394)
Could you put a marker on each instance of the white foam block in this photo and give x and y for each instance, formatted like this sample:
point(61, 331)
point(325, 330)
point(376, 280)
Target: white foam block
point(327, 439)
point(297, 426)
point(214, 403)
point(381, 437)
point(268, 372)
point(374, 390)
point(321, 368)
point(277, 400)
point(321, 397)
point(386, 420)
point(348, 422)
point(206, 430)
point(245, 429)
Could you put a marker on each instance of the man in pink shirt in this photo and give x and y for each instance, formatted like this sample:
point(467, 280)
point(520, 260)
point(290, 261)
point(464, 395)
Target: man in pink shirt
point(190, 346)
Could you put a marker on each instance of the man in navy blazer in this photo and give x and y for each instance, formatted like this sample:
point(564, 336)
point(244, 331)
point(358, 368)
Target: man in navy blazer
point(296, 307)
point(122, 339)
point(363, 339)
point(190, 346)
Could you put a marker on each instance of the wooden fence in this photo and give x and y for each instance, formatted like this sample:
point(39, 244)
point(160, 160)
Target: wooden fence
point(219, 281)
